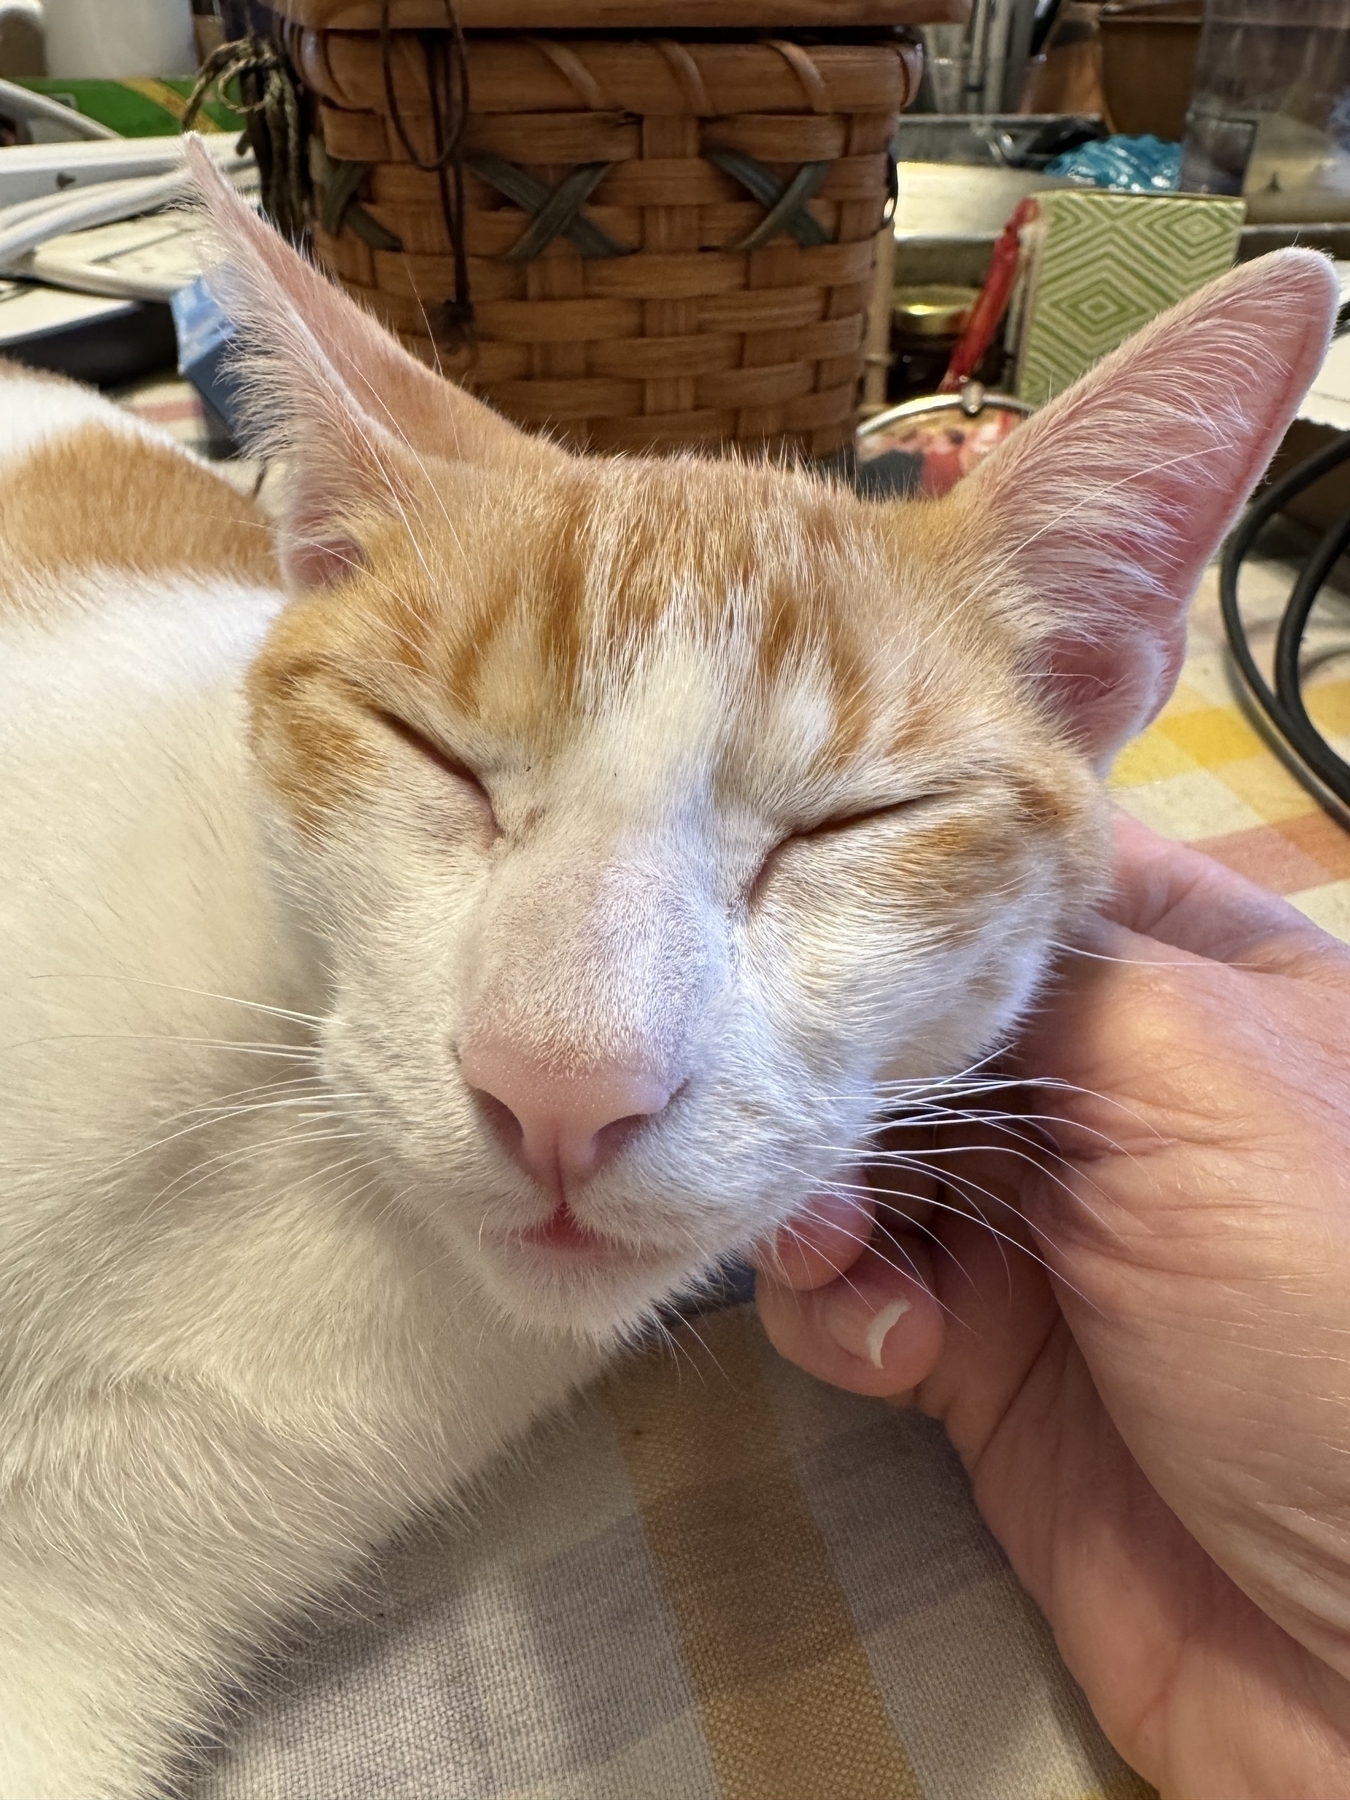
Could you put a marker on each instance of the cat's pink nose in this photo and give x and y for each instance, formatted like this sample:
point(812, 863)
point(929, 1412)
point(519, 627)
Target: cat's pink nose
point(563, 1119)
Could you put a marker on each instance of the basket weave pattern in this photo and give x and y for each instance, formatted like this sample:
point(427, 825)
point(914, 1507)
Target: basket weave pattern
point(662, 315)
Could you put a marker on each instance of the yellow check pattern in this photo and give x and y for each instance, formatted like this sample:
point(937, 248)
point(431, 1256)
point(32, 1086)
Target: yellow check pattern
point(1202, 774)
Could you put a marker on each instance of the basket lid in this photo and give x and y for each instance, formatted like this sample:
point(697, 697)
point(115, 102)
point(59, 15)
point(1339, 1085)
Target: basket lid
point(623, 15)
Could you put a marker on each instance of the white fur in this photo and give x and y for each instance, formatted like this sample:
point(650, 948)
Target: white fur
point(229, 1367)
point(37, 410)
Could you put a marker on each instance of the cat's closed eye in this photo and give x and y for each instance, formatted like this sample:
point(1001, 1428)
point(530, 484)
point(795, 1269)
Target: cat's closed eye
point(441, 760)
point(838, 826)
point(867, 815)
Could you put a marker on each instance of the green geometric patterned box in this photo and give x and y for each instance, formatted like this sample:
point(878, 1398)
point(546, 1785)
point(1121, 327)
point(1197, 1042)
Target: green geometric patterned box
point(1101, 265)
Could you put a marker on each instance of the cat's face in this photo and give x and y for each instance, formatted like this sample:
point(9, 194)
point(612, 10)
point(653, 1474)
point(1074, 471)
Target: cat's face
point(652, 815)
point(651, 819)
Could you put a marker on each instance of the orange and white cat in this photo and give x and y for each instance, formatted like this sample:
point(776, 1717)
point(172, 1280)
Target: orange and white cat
point(433, 941)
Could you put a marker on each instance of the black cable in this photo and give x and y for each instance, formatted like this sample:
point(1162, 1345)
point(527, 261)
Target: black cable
point(1042, 23)
point(1312, 758)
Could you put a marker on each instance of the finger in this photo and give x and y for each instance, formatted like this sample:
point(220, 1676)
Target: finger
point(877, 1330)
point(1173, 895)
point(821, 1241)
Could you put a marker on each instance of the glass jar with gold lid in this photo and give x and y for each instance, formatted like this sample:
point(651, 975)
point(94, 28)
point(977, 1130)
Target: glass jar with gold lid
point(926, 321)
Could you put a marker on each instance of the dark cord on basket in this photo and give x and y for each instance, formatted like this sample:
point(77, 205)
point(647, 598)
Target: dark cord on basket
point(447, 70)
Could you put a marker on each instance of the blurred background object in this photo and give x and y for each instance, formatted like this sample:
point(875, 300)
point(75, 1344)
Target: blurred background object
point(1130, 165)
point(925, 446)
point(1148, 64)
point(208, 29)
point(980, 67)
point(1270, 112)
point(240, 18)
point(136, 106)
point(23, 40)
point(1097, 266)
point(1064, 70)
point(927, 322)
point(114, 38)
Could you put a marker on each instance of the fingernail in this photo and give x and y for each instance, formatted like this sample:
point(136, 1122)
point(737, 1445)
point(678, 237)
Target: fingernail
point(860, 1331)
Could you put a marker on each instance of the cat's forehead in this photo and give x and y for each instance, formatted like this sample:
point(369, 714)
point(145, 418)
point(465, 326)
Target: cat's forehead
point(695, 599)
point(612, 637)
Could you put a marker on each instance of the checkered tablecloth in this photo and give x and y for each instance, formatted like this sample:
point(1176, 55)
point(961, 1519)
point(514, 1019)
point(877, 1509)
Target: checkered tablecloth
point(715, 1579)
point(1202, 774)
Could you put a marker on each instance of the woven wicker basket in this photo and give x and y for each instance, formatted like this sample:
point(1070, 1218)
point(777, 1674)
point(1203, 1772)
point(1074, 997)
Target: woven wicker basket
point(723, 201)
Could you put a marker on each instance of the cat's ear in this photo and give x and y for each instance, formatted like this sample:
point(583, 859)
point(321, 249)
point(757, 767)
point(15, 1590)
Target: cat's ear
point(1102, 511)
point(332, 394)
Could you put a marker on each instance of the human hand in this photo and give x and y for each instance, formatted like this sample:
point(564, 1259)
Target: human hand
point(1157, 1420)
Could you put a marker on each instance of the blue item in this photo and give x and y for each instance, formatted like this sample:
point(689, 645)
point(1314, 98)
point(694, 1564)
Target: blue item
point(1134, 165)
point(206, 335)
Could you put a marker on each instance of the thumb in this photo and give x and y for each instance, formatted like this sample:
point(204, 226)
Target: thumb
point(876, 1330)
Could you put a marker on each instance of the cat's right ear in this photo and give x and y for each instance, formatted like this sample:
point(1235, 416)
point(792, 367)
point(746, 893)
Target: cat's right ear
point(330, 393)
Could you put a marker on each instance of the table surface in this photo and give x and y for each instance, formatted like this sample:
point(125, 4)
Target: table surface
point(1202, 774)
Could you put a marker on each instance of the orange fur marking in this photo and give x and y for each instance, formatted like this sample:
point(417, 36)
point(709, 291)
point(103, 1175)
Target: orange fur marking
point(492, 635)
point(101, 498)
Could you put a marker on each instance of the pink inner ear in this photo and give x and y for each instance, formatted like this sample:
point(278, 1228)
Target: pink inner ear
point(1106, 507)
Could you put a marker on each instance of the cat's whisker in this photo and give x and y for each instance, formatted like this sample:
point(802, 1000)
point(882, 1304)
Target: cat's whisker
point(1047, 1085)
point(966, 1078)
point(1140, 962)
point(869, 1243)
point(918, 1162)
point(240, 1096)
point(214, 1115)
point(211, 1165)
point(854, 1190)
point(1038, 1134)
point(671, 1339)
point(839, 1274)
point(174, 1189)
point(882, 1157)
point(173, 987)
point(882, 1228)
point(974, 1213)
point(691, 1328)
point(283, 1052)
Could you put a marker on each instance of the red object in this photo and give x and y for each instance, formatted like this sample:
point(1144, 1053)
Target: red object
point(989, 309)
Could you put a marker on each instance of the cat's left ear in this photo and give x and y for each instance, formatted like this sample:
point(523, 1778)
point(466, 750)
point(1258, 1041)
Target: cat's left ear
point(1101, 512)
point(328, 391)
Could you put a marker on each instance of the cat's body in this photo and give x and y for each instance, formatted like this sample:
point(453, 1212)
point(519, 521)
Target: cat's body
point(405, 990)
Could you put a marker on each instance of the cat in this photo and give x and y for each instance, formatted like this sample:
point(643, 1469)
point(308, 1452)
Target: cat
point(442, 929)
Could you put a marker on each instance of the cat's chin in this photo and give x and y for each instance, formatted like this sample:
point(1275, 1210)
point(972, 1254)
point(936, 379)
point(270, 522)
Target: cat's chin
point(598, 1289)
